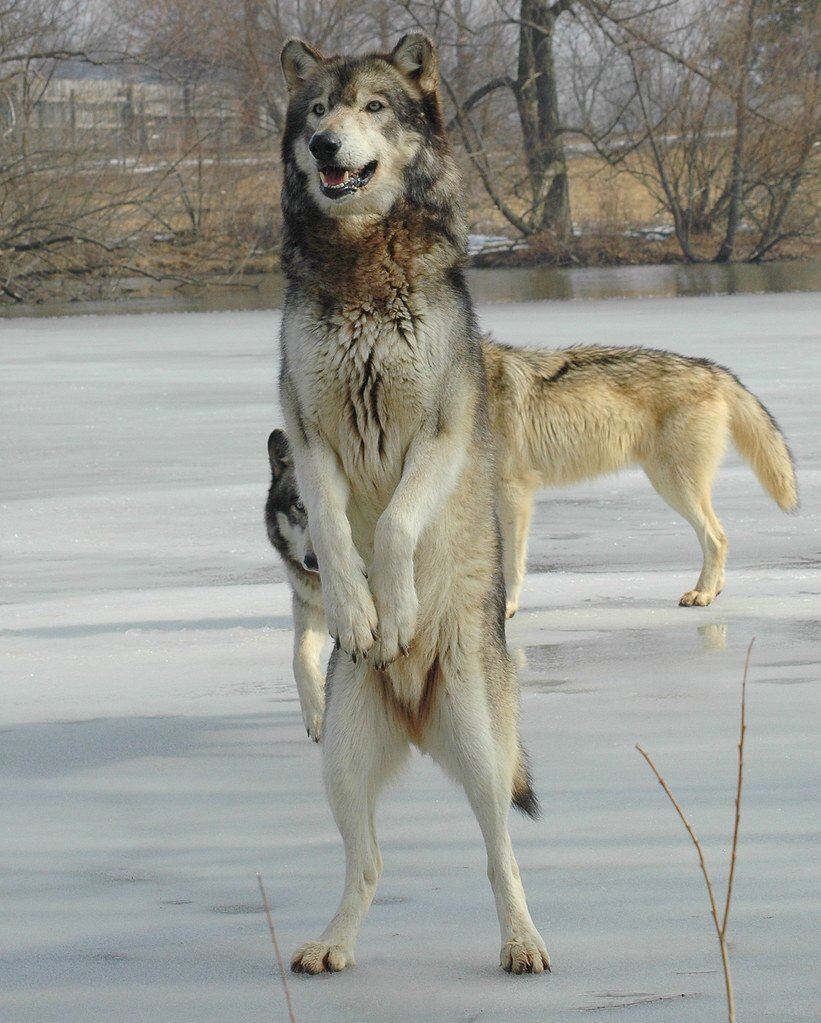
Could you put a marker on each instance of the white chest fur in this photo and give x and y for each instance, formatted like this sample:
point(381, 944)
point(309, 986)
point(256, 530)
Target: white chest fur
point(367, 377)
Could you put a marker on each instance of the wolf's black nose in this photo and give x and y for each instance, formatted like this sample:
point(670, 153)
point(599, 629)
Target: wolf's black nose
point(325, 145)
point(310, 562)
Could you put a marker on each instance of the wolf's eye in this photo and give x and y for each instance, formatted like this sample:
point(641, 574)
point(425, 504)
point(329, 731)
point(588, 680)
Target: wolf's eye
point(375, 106)
point(300, 507)
point(318, 109)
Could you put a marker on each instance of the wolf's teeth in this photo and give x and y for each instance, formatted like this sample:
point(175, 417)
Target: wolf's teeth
point(346, 175)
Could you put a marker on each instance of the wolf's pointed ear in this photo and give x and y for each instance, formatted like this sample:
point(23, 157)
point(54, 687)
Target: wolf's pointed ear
point(415, 56)
point(279, 452)
point(298, 60)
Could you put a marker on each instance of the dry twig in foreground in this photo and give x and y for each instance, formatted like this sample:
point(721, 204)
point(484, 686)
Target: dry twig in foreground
point(720, 924)
point(275, 943)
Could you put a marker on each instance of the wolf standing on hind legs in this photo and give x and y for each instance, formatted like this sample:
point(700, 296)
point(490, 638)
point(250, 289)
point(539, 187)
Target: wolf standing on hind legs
point(383, 388)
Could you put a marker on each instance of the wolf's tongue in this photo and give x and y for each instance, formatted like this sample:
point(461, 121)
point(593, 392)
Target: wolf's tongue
point(334, 176)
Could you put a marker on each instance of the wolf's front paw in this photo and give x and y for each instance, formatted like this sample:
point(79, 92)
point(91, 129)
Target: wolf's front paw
point(397, 605)
point(526, 954)
point(312, 718)
point(513, 589)
point(319, 957)
point(351, 615)
point(310, 685)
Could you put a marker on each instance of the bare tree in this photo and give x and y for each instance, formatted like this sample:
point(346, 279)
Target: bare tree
point(91, 181)
point(148, 145)
point(193, 40)
point(37, 217)
point(718, 116)
point(536, 203)
point(714, 108)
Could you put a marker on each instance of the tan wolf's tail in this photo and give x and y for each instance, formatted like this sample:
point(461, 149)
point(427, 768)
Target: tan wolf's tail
point(760, 441)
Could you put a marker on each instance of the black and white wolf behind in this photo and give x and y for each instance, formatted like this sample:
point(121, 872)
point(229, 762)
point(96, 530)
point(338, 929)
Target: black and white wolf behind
point(287, 524)
point(384, 394)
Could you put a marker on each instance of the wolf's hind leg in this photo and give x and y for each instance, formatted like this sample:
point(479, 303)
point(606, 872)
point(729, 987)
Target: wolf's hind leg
point(361, 749)
point(714, 549)
point(465, 743)
point(691, 499)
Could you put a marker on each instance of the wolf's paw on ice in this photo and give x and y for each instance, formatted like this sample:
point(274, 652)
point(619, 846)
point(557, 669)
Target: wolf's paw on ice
point(319, 957)
point(525, 955)
point(697, 598)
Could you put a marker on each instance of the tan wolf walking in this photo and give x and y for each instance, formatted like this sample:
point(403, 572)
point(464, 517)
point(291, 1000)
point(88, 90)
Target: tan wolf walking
point(561, 416)
point(383, 388)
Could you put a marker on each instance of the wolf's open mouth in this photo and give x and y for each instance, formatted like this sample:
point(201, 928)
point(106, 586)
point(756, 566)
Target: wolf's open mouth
point(338, 181)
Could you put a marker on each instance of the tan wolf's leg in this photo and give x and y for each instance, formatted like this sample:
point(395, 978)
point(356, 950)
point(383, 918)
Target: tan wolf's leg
point(310, 632)
point(467, 745)
point(515, 508)
point(691, 499)
point(361, 748)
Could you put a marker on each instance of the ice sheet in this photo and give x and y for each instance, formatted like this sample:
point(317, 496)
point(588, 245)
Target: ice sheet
point(152, 757)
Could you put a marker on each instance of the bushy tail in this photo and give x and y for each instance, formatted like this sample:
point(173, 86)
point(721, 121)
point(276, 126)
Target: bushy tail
point(760, 441)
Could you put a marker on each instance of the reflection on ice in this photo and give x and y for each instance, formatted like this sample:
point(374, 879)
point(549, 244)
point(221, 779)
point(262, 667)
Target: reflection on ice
point(714, 636)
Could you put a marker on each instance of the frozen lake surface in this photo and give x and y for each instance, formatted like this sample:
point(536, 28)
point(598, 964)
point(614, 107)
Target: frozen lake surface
point(152, 755)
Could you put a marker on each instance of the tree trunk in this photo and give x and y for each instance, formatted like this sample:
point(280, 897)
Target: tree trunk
point(738, 170)
point(538, 106)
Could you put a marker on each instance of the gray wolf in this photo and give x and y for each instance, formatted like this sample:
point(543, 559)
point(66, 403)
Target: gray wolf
point(383, 389)
point(287, 524)
point(561, 416)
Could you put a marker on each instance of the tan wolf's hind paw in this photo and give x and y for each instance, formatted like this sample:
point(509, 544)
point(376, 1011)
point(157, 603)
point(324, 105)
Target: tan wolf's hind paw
point(319, 957)
point(697, 598)
point(525, 956)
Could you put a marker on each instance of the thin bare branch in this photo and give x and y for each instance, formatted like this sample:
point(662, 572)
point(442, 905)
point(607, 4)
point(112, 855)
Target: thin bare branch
point(737, 817)
point(720, 924)
point(282, 972)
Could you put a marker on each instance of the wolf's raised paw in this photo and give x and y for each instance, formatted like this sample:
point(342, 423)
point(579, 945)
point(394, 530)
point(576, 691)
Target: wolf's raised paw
point(351, 617)
point(313, 724)
point(394, 640)
point(525, 955)
point(397, 606)
point(319, 957)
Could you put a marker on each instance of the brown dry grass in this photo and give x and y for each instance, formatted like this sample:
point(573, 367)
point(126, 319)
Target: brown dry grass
point(607, 200)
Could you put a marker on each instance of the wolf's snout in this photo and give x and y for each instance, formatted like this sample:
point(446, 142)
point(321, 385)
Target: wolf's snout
point(324, 146)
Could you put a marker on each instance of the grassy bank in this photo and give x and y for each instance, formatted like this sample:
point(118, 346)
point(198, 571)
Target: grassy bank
point(199, 218)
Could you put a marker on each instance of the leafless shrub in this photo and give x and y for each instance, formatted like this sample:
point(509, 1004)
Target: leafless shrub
point(720, 920)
